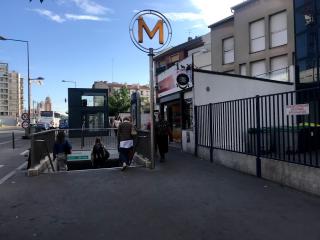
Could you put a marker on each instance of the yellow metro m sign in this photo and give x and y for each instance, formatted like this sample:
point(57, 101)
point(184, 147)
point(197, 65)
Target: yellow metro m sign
point(139, 26)
point(158, 27)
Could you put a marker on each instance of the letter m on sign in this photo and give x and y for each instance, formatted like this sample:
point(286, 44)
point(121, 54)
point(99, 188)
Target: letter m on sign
point(157, 27)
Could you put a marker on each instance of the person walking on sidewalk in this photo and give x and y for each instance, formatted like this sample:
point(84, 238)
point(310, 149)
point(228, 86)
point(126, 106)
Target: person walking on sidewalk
point(61, 149)
point(126, 132)
point(163, 131)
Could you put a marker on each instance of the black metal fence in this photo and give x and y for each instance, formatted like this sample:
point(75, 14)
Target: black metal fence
point(284, 126)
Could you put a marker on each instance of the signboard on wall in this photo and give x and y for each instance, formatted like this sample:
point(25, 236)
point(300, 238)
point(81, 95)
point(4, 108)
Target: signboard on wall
point(167, 80)
point(298, 109)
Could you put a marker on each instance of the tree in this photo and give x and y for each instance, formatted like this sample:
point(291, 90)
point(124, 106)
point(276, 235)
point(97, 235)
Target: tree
point(119, 101)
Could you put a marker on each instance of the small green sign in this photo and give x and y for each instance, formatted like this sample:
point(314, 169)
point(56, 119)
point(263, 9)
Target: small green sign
point(79, 156)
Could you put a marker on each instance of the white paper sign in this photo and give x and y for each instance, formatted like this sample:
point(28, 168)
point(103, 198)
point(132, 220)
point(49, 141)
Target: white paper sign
point(298, 109)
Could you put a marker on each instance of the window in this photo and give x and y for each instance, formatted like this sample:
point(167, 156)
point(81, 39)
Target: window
point(278, 29)
point(243, 69)
point(228, 50)
point(257, 36)
point(279, 68)
point(258, 69)
point(174, 58)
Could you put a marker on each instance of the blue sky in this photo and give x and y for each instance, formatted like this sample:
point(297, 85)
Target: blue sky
point(80, 40)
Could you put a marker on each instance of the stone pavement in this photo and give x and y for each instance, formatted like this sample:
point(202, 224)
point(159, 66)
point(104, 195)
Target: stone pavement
point(183, 198)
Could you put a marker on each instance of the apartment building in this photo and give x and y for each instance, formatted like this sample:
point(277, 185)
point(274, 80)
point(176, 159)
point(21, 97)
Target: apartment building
point(257, 40)
point(11, 95)
point(144, 90)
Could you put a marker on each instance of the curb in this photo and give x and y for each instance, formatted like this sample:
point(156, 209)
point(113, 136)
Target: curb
point(40, 168)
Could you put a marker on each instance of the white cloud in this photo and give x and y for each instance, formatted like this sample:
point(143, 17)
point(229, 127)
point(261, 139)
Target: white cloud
point(182, 16)
point(52, 16)
point(91, 7)
point(84, 17)
point(212, 11)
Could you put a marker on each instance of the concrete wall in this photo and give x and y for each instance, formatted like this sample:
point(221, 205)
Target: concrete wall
point(202, 55)
point(300, 177)
point(213, 87)
point(188, 143)
point(8, 121)
point(293, 175)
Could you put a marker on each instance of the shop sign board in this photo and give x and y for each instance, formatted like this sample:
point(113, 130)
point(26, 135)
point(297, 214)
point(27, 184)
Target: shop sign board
point(297, 109)
point(174, 79)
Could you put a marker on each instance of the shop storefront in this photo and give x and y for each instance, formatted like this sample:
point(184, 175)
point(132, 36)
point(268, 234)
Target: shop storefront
point(175, 102)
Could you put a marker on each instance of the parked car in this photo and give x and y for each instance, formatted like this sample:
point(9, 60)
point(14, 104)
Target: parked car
point(63, 124)
point(40, 126)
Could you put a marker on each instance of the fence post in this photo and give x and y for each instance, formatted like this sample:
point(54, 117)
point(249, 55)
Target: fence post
point(258, 150)
point(195, 120)
point(13, 143)
point(211, 132)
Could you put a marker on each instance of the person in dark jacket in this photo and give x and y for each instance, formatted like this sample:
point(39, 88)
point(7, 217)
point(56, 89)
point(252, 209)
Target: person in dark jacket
point(99, 154)
point(162, 133)
point(61, 149)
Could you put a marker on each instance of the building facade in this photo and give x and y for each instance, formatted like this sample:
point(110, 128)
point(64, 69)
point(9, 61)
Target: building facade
point(11, 95)
point(307, 32)
point(47, 104)
point(257, 40)
point(176, 103)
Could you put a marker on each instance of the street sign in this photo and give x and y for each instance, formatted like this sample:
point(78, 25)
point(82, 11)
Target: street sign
point(298, 109)
point(161, 28)
point(25, 124)
point(24, 116)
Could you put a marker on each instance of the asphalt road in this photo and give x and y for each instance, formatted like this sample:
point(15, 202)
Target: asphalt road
point(182, 199)
point(11, 159)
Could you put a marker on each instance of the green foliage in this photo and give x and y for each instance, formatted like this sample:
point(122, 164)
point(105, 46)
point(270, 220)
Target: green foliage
point(119, 101)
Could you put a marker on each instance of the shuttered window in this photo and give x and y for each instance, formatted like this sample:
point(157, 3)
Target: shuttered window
point(278, 29)
point(228, 50)
point(279, 68)
point(258, 69)
point(257, 36)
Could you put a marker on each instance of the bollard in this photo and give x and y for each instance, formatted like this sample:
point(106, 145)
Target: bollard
point(13, 143)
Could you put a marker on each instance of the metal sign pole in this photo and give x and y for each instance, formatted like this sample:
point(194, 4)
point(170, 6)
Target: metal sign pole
point(151, 55)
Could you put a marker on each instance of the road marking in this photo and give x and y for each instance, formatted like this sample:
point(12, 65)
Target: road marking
point(9, 142)
point(10, 174)
point(25, 153)
point(8, 131)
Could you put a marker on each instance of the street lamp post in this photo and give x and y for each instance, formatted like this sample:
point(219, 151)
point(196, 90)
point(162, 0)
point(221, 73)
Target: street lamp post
point(75, 83)
point(29, 80)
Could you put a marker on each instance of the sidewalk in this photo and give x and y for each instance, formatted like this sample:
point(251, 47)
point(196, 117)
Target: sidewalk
point(183, 198)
